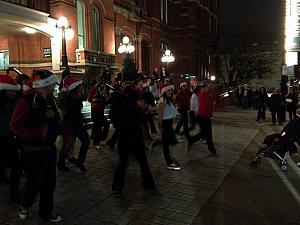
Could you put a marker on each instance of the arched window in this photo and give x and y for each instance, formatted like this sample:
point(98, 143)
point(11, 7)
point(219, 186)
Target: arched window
point(164, 11)
point(80, 21)
point(95, 29)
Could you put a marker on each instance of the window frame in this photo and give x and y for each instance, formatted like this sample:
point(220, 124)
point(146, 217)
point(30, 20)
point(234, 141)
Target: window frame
point(81, 43)
point(95, 17)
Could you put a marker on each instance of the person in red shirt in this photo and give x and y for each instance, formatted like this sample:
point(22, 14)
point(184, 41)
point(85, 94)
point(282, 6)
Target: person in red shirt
point(36, 122)
point(205, 109)
point(183, 103)
point(99, 98)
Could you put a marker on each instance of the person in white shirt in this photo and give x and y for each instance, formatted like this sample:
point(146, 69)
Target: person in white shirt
point(166, 113)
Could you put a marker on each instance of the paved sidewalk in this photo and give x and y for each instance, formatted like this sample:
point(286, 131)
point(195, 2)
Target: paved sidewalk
point(86, 198)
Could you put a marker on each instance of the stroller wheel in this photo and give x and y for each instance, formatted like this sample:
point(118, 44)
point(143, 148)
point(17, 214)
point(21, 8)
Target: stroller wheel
point(253, 163)
point(284, 168)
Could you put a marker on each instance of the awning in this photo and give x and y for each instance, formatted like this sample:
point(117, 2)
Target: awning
point(13, 18)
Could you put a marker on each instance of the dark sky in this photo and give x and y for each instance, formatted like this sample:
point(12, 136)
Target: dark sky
point(258, 21)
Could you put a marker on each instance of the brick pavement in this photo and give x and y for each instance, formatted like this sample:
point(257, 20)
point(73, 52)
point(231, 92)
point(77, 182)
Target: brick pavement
point(86, 198)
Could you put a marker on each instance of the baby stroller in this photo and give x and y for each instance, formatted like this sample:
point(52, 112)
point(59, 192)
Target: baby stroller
point(278, 145)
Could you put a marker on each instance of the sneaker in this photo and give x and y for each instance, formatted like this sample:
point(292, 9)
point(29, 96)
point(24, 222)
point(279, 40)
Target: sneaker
point(202, 141)
point(178, 139)
point(23, 213)
point(97, 147)
point(54, 218)
point(173, 166)
point(117, 194)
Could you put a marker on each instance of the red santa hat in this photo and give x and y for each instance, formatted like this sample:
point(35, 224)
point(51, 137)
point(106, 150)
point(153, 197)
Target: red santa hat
point(182, 82)
point(43, 78)
point(70, 83)
point(145, 83)
point(8, 83)
point(166, 87)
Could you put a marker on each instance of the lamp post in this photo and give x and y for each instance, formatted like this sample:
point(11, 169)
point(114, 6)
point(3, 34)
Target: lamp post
point(66, 33)
point(126, 46)
point(129, 67)
point(167, 58)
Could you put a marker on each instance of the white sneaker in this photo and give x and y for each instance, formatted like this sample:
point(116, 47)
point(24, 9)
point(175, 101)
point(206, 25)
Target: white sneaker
point(173, 166)
point(97, 147)
point(54, 218)
point(178, 139)
point(23, 213)
point(202, 141)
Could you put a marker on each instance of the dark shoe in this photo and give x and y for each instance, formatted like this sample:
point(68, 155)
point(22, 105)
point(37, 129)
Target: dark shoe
point(212, 151)
point(117, 194)
point(72, 160)
point(63, 168)
point(81, 167)
point(54, 218)
point(173, 166)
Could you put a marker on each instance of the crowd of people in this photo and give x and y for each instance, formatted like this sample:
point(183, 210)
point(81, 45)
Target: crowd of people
point(32, 119)
point(277, 103)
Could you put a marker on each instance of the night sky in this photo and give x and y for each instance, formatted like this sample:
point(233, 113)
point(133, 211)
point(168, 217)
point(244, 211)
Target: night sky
point(259, 21)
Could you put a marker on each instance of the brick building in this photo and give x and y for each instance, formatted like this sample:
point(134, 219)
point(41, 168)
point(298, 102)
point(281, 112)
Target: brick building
point(189, 28)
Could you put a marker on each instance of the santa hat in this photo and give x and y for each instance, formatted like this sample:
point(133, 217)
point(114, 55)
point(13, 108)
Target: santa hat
point(145, 83)
point(8, 83)
point(71, 83)
point(182, 82)
point(43, 78)
point(166, 87)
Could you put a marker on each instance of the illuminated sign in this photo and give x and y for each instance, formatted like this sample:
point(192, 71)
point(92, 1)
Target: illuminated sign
point(292, 25)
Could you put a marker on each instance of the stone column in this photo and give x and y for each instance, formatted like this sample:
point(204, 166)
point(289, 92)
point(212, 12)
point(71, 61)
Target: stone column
point(138, 53)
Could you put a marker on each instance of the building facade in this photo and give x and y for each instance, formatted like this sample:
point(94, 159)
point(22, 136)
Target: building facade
point(30, 40)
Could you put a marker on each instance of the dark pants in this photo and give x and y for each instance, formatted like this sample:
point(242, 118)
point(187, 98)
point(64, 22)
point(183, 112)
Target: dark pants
point(152, 125)
point(261, 113)
point(277, 113)
point(10, 153)
point(205, 133)
point(40, 168)
point(292, 114)
point(100, 126)
point(70, 132)
point(183, 121)
point(138, 152)
point(168, 138)
point(114, 138)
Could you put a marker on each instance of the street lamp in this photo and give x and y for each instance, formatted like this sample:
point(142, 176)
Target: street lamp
point(212, 77)
point(167, 57)
point(67, 33)
point(126, 46)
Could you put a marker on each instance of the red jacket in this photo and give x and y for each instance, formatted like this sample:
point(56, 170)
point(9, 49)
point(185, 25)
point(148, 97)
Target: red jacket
point(96, 99)
point(30, 121)
point(183, 100)
point(205, 104)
